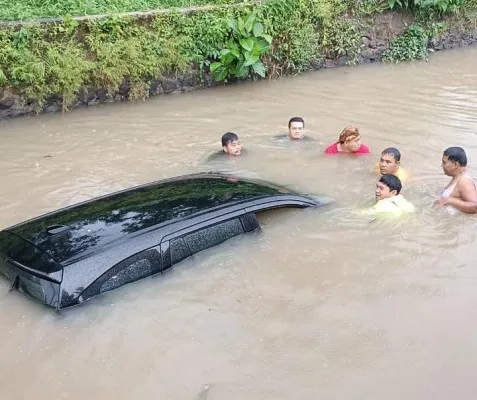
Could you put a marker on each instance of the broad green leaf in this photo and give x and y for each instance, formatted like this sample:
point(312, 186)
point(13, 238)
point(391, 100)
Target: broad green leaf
point(232, 23)
point(235, 50)
point(227, 59)
point(252, 59)
point(242, 70)
point(268, 38)
point(224, 52)
point(241, 27)
point(259, 69)
point(247, 43)
point(221, 75)
point(215, 66)
point(261, 47)
point(257, 29)
point(249, 22)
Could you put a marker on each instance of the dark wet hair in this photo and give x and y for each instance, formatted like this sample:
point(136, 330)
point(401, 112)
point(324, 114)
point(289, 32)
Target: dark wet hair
point(392, 182)
point(393, 152)
point(228, 137)
point(296, 119)
point(456, 154)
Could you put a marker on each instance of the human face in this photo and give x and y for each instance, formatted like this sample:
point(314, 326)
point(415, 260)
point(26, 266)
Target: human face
point(233, 148)
point(296, 130)
point(353, 144)
point(449, 167)
point(388, 164)
point(383, 192)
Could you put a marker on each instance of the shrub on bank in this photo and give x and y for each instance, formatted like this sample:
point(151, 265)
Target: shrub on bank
point(60, 59)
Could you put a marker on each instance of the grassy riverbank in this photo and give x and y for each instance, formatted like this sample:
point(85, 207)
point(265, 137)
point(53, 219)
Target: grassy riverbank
point(29, 9)
point(129, 54)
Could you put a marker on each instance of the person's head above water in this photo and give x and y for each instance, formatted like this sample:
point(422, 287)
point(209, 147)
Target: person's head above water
point(231, 144)
point(388, 186)
point(389, 161)
point(296, 128)
point(350, 139)
point(454, 161)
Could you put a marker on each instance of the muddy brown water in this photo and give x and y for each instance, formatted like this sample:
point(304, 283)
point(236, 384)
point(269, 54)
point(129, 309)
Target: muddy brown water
point(320, 304)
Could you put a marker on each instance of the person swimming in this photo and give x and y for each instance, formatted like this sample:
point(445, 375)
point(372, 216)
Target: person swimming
point(231, 146)
point(296, 128)
point(349, 142)
point(296, 131)
point(461, 193)
point(389, 199)
point(390, 163)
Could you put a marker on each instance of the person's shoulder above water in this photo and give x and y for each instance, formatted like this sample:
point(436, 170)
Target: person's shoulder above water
point(394, 205)
point(286, 138)
point(222, 155)
point(363, 149)
point(332, 149)
point(349, 141)
point(218, 155)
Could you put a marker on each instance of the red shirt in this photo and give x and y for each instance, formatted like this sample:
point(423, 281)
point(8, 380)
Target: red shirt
point(333, 149)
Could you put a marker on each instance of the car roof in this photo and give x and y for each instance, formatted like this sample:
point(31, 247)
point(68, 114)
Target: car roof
point(69, 232)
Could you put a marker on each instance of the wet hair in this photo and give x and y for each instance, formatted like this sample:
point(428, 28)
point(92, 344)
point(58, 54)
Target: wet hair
point(393, 152)
point(348, 132)
point(392, 182)
point(228, 137)
point(456, 154)
point(296, 119)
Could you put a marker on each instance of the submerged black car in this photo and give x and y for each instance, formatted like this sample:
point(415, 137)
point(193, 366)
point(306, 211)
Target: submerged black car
point(67, 256)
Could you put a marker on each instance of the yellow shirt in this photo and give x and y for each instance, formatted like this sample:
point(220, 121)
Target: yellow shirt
point(396, 205)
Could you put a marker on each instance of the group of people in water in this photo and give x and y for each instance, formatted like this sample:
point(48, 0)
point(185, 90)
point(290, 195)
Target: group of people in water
point(460, 194)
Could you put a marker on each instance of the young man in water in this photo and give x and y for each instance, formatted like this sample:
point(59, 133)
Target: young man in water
point(296, 128)
point(296, 131)
point(230, 147)
point(231, 144)
point(460, 193)
point(348, 142)
point(390, 163)
point(388, 197)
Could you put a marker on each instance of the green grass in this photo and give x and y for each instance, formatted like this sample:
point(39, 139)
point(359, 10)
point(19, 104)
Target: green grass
point(14, 10)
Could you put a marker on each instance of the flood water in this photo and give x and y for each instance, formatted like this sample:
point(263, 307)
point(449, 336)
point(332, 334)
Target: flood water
point(322, 303)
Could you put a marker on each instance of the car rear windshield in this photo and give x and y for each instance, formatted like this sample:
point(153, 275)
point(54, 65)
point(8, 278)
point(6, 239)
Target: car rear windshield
point(16, 249)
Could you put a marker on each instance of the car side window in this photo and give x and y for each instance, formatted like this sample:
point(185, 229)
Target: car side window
point(131, 269)
point(179, 250)
point(213, 235)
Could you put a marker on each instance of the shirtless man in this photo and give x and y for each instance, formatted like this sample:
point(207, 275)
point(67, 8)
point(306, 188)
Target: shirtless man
point(461, 192)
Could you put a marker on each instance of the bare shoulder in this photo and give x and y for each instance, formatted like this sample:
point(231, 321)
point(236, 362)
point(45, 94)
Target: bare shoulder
point(466, 188)
point(466, 182)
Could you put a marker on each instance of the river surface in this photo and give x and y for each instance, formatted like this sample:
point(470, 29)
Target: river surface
point(321, 304)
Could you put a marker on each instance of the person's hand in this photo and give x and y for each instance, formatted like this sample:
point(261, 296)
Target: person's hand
point(443, 201)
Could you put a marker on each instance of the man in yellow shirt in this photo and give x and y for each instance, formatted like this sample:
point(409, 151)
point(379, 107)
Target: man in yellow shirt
point(388, 197)
point(390, 163)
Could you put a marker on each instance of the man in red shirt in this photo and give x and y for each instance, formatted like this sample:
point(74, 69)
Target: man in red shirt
point(348, 142)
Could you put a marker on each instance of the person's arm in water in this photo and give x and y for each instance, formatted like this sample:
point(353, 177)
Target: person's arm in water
point(467, 202)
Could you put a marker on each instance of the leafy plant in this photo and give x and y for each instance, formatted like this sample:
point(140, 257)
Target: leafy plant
point(410, 45)
point(443, 6)
point(244, 50)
